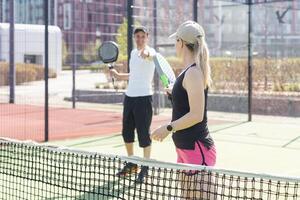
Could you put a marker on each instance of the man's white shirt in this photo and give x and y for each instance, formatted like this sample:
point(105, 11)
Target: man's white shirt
point(141, 74)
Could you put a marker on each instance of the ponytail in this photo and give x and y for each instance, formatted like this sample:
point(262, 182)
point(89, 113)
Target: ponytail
point(201, 53)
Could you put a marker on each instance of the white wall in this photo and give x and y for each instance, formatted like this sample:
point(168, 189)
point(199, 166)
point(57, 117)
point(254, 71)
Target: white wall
point(29, 40)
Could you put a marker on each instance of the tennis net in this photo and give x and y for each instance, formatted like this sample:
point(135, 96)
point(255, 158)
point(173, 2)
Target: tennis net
point(34, 171)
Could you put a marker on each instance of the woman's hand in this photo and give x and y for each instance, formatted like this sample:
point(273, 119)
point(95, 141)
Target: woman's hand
point(168, 91)
point(160, 133)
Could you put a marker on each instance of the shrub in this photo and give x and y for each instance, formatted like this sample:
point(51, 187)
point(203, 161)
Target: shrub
point(24, 73)
point(231, 74)
point(118, 85)
point(268, 74)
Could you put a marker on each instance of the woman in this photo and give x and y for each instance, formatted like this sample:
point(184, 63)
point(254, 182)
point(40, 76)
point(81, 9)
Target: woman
point(189, 117)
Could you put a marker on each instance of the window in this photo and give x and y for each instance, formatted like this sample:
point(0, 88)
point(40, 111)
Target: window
point(67, 16)
point(60, 10)
point(86, 1)
point(33, 59)
point(298, 28)
point(286, 28)
point(227, 28)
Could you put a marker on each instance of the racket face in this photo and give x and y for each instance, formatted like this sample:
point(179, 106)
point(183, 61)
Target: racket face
point(108, 52)
point(164, 70)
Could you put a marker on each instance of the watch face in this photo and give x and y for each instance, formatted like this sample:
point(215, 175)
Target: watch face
point(169, 128)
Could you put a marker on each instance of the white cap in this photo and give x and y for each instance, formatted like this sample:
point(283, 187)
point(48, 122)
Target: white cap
point(189, 31)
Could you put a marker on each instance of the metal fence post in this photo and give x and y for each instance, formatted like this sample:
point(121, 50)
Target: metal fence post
point(250, 63)
point(12, 71)
point(156, 102)
point(195, 10)
point(73, 58)
point(129, 28)
point(46, 72)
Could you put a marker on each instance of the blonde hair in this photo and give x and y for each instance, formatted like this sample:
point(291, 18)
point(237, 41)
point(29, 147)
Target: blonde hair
point(201, 54)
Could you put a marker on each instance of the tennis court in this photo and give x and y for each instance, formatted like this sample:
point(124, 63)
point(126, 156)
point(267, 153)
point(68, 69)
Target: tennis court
point(65, 123)
point(32, 171)
point(262, 146)
point(62, 98)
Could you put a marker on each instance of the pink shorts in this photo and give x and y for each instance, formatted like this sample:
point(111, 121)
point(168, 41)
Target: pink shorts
point(199, 156)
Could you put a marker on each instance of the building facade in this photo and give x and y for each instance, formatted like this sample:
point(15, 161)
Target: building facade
point(85, 21)
point(30, 47)
point(82, 21)
point(276, 27)
point(276, 32)
point(27, 11)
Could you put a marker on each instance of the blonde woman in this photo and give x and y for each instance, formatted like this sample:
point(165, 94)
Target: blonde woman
point(189, 129)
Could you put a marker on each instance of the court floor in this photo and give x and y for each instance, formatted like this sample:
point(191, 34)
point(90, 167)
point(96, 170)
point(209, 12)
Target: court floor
point(266, 145)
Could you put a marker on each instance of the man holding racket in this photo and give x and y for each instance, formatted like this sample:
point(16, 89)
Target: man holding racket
point(137, 111)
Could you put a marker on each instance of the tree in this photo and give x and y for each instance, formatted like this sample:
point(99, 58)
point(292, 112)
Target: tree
point(122, 39)
point(65, 52)
point(90, 51)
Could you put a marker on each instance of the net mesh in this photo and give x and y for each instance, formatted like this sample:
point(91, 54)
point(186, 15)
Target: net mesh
point(32, 171)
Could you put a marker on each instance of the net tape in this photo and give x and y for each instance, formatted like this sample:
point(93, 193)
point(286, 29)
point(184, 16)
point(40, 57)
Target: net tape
point(33, 171)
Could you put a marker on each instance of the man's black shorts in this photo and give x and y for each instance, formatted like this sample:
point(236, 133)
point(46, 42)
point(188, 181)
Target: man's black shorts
point(137, 114)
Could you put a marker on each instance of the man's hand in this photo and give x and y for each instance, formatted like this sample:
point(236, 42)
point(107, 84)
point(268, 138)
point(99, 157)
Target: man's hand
point(113, 73)
point(145, 54)
point(120, 76)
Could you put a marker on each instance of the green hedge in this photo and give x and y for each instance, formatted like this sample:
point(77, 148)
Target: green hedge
point(24, 73)
point(231, 74)
point(268, 74)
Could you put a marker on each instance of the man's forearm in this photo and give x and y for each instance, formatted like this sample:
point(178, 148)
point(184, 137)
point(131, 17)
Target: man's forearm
point(122, 76)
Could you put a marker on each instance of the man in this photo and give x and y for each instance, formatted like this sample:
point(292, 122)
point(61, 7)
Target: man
point(137, 111)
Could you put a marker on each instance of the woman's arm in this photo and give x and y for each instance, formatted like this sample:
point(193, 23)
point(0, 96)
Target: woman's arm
point(194, 85)
point(119, 76)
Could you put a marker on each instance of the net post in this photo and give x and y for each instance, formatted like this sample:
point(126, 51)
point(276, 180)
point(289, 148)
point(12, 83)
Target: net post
point(12, 72)
point(250, 61)
point(46, 71)
point(129, 29)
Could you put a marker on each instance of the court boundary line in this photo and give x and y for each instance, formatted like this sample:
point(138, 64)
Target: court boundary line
point(290, 142)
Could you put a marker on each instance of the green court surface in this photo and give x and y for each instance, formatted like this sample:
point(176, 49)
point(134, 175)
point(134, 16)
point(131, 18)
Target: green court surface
point(266, 145)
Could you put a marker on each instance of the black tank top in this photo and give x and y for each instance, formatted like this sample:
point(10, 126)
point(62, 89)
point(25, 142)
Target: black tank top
point(186, 138)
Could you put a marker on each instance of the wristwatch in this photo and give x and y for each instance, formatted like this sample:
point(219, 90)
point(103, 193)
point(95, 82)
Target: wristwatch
point(170, 127)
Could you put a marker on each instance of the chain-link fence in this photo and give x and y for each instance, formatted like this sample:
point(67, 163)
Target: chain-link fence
point(79, 82)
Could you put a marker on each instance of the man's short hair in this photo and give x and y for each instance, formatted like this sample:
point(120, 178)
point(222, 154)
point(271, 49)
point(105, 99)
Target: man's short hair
point(140, 29)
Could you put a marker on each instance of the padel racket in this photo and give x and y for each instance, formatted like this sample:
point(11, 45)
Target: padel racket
point(108, 53)
point(165, 71)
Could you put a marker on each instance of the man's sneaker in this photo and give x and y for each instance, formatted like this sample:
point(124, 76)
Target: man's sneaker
point(129, 168)
point(142, 175)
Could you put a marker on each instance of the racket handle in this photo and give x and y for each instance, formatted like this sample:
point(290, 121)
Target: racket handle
point(170, 97)
point(110, 66)
point(113, 81)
